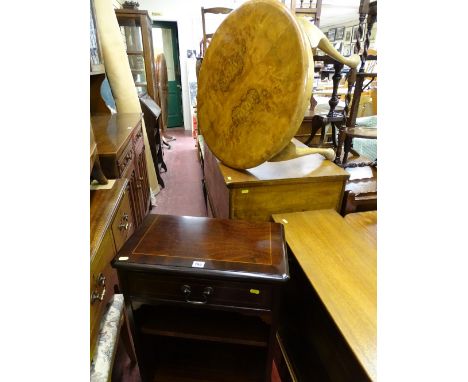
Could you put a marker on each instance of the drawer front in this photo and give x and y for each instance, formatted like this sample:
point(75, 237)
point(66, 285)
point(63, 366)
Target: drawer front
point(126, 159)
point(259, 203)
point(197, 291)
point(101, 277)
point(138, 138)
point(123, 224)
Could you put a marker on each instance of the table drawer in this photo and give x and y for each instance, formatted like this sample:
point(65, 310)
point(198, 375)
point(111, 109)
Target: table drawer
point(198, 291)
point(123, 224)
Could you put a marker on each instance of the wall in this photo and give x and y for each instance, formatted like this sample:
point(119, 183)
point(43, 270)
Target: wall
point(187, 14)
point(349, 26)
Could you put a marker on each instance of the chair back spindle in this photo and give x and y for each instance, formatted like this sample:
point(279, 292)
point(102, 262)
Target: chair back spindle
point(334, 100)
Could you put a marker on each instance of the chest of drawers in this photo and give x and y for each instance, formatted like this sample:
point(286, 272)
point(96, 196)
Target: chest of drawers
point(111, 225)
point(121, 148)
point(210, 285)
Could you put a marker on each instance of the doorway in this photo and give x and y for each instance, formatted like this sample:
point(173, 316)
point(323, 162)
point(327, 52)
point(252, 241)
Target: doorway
point(166, 40)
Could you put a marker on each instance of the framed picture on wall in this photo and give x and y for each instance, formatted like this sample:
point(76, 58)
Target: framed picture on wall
point(331, 34)
point(339, 33)
point(355, 33)
point(356, 30)
point(346, 50)
point(338, 45)
point(348, 33)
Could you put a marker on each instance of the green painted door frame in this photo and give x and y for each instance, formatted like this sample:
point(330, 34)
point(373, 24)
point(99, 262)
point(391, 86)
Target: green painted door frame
point(175, 116)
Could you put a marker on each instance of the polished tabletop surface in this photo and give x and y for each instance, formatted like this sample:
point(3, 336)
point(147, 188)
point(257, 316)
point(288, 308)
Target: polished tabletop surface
point(112, 132)
point(254, 84)
point(207, 246)
point(341, 264)
point(303, 169)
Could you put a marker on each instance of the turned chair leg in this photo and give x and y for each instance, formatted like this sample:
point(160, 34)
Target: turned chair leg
point(335, 145)
point(341, 139)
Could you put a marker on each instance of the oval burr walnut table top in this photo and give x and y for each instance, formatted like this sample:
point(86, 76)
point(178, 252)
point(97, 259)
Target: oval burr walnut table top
point(255, 84)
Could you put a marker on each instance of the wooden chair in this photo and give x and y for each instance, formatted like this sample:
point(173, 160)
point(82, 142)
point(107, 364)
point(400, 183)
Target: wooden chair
point(319, 122)
point(350, 130)
point(310, 8)
point(207, 36)
point(152, 116)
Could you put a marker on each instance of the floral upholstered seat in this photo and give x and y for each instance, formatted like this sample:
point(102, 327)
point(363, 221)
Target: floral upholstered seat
point(101, 365)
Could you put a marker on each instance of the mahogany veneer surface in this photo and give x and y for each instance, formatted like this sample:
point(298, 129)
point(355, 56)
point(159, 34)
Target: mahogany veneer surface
point(240, 248)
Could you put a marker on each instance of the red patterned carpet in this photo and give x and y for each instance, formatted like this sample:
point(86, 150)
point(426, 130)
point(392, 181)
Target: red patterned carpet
point(183, 193)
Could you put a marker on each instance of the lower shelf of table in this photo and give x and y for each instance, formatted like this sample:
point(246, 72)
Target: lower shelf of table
point(203, 324)
point(183, 344)
point(184, 360)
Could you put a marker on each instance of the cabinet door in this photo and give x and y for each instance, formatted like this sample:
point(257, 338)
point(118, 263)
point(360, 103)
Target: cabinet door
point(142, 181)
point(135, 199)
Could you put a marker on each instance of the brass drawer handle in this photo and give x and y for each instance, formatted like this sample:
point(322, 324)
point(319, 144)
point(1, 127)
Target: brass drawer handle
point(187, 290)
point(101, 280)
point(124, 226)
point(95, 296)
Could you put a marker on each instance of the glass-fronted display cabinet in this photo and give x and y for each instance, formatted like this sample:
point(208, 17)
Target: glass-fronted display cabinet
point(136, 28)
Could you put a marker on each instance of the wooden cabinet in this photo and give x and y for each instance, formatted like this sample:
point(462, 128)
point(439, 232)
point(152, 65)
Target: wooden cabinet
point(300, 184)
point(111, 225)
point(121, 148)
point(208, 294)
point(136, 28)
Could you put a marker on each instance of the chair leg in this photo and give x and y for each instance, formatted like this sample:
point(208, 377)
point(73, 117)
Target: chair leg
point(334, 135)
point(316, 125)
point(322, 134)
point(347, 147)
point(341, 139)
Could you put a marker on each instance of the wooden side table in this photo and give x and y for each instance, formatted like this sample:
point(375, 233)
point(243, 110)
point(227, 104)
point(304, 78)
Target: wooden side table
point(202, 297)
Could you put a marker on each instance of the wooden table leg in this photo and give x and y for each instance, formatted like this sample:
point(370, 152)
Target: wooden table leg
point(127, 340)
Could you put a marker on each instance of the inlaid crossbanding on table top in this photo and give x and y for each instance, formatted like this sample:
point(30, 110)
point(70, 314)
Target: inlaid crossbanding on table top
point(186, 238)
